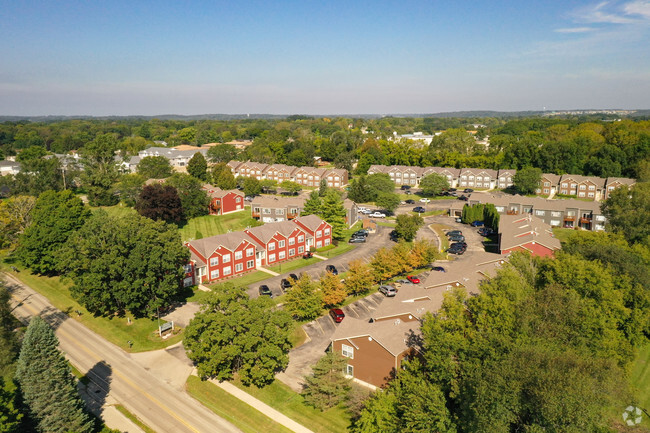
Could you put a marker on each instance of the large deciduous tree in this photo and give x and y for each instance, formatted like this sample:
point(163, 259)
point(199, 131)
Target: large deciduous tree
point(408, 226)
point(160, 202)
point(628, 212)
point(223, 177)
point(194, 199)
point(120, 264)
point(303, 299)
point(222, 153)
point(332, 289)
point(55, 217)
point(100, 169)
point(359, 278)
point(387, 200)
point(433, 184)
point(527, 180)
point(15, 217)
point(129, 188)
point(154, 167)
point(197, 166)
point(252, 186)
point(235, 334)
point(47, 384)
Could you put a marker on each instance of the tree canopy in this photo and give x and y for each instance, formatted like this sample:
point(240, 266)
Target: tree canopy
point(194, 199)
point(154, 167)
point(160, 202)
point(628, 212)
point(527, 180)
point(198, 166)
point(433, 184)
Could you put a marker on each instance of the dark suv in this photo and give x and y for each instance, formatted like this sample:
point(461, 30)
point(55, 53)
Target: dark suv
point(265, 291)
point(332, 269)
point(285, 284)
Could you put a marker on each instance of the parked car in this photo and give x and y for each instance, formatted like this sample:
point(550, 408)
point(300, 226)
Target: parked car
point(308, 255)
point(413, 279)
point(438, 269)
point(265, 291)
point(248, 198)
point(361, 232)
point(294, 277)
point(425, 200)
point(361, 209)
point(467, 190)
point(454, 250)
point(377, 215)
point(332, 269)
point(409, 201)
point(454, 232)
point(459, 220)
point(453, 189)
point(357, 240)
point(393, 236)
point(405, 187)
point(485, 231)
point(457, 238)
point(419, 209)
point(388, 291)
point(337, 315)
point(285, 284)
point(366, 211)
point(477, 223)
point(463, 198)
point(403, 281)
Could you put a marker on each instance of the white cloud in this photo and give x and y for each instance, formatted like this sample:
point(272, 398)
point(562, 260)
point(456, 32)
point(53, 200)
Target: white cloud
point(575, 30)
point(638, 8)
point(632, 12)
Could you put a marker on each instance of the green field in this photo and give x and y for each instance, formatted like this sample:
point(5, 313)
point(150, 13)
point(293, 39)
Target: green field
point(210, 225)
point(282, 398)
point(293, 264)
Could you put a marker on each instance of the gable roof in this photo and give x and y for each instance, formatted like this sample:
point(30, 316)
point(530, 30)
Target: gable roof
point(394, 336)
point(216, 192)
point(273, 202)
point(206, 246)
point(312, 222)
point(266, 232)
point(517, 230)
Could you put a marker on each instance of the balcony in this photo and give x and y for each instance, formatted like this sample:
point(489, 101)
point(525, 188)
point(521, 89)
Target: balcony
point(512, 212)
point(569, 218)
point(291, 216)
point(255, 214)
point(584, 220)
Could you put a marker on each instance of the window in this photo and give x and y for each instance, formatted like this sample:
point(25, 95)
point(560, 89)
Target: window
point(301, 250)
point(327, 241)
point(327, 232)
point(200, 272)
point(565, 185)
point(238, 255)
point(319, 233)
point(592, 187)
point(226, 258)
point(281, 244)
point(214, 261)
point(583, 187)
point(547, 183)
point(590, 194)
point(499, 208)
point(301, 239)
point(227, 270)
point(464, 177)
point(279, 211)
point(187, 268)
point(249, 252)
point(480, 178)
point(238, 199)
point(546, 191)
point(239, 267)
point(539, 212)
point(319, 244)
point(282, 255)
point(556, 214)
point(349, 370)
point(600, 218)
point(214, 274)
point(347, 351)
point(271, 246)
point(292, 241)
point(267, 211)
point(555, 222)
point(272, 258)
point(249, 264)
point(292, 252)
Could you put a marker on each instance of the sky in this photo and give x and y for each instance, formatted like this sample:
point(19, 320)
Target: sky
point(329, 57)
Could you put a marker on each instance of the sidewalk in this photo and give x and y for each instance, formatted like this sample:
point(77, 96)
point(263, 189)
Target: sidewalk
point(262, 407)
point(268, 271)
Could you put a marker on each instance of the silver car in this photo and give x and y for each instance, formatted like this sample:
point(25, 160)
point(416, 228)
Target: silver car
point(388, 291)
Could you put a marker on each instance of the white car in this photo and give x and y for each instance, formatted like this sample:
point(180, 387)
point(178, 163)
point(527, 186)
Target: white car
point(366, 211)
point(377, 215)
point(424, 200)
point(362, 209)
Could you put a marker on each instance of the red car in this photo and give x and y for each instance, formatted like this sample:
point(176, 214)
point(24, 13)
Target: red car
point(337, 314)
point(414, 280)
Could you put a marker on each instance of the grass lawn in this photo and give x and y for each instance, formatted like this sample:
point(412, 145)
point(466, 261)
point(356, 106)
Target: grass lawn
point(142, 332)
point(293, 264)
point(333, 251)
point(244, 280)
point(640, 376)
point(280, 397)
point(210, 225)
point(243, 416)
point(439, 229)
point(297, 336)
point(134, 419)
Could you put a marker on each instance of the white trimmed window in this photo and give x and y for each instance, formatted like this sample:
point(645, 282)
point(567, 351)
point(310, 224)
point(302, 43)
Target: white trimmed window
point(301, 250)
point(214, 261)
point(239, 267)
point(319, 233)
point(540, 212)
point(271, 257)
point(250, 252)
point(282, 255)
point(271, 246)
point(238, 255)
point(555, 222)
point(281, 244)
point(292, 252)
point(249, 264)
point(214, 274)
point(349, 370)
point(301, 239)
point(226, 258)
point(227, 270)
point(327, 241)
point(347, 351)
point(292, 241)
point(327, 232)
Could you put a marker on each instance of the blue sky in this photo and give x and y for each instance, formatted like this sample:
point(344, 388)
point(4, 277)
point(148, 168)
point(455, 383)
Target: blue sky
point(338, 57)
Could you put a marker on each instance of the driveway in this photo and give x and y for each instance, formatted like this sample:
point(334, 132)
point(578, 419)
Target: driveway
point(375, 241)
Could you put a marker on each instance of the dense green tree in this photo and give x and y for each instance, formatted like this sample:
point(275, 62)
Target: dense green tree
point(235, 334)
point(491, 217)
point(473, 213)
point(379, 182)
point(527, 180)
point(10, 415)
point(8, 340)
point(222, 153)
point(327, 386)
point(46, 382)
point(194, 199)
point(628, 212)
point(129, 188)
point(454, 140)
point(312, 205)
point(154, 167)
point(304, 300)
point(31, 153)
point(15, 217)
point(322, 189)
point(365, 161)
point(160, 202)
point(100, 169)
point(292, 187)
point(387, 200)
point(270, 185)
point(408, 226)
point(223, 177)
point(252, 186)
point(120, 264)
point(197, 166)
point(359, 191)
point(433, 184)
point(55, 217)
point(37, 176)
point(333, 212)
point(359, 278)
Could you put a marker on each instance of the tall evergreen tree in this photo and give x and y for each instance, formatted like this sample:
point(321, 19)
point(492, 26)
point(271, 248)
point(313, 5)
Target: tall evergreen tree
point(47, 384)
point(327, 386)
point(223, 177)
point(322, 190)
point(333, 212)
point(312, 204)
point(198, 166)
point(10, 416)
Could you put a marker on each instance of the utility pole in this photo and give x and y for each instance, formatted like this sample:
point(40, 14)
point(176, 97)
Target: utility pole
point(63, 174)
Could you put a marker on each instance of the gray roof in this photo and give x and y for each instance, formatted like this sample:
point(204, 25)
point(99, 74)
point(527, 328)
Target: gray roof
point(274, 202)
point(312, 222)
point(536, 202)
point(267, 231)
point(517, 230)
point(206, 246)
point(392, 335)
point(216, 192)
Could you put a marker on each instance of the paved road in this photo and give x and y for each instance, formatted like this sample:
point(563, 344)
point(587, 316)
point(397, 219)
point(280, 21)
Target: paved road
point(316, 270)
point(155, 402)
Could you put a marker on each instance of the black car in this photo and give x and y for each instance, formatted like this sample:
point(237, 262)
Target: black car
point(393, 236)
point(463, 198)
point(419, 209)
point(357, 240)
point(438, 268)
point(409, 201)
point(456, 250)
point(332, 269)
point(361, 232)
point(265, 291)
point(285, 284)
point(468, 190)
point(485, 231)
point(293, 277)
point(405, 187)
point(457, 238)
point(454, 233)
